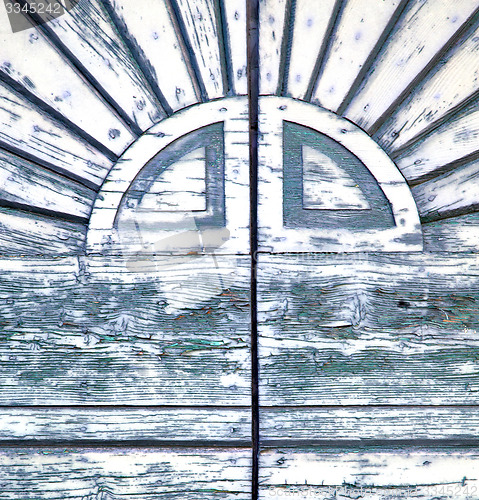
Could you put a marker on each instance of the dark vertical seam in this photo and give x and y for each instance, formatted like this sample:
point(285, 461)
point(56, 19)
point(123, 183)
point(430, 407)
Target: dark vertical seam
point(286, 47)
point(188, 48)
point(253, 96)
point(325, 48)
point(225, 47)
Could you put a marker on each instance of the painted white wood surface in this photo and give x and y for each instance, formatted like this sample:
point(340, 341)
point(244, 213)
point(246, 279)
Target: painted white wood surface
point(87, 32)
point(43, 72)
point(309, 40)
point(373, 474)
point(358, 33)
point(155, 425)
point(446, 145)
point(151, 30)
point(421, 32)
point(112, 473)
point(272, 18)
point(24, 128)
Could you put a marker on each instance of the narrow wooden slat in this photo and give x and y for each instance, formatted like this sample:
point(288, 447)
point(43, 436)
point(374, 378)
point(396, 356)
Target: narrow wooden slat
point(168, 331)
point(235, 16)
point(25, 129)
point(368, 423)
point(86, 31)
point(149, 474)
point(358, 32)
point(169, 425)
point(45, 74)
point(452, 83)
point(444, 147)
point(311, 21)
point(201, 18)
point(271, 30)
point(419, 35)
point(149, 29)
point(26, 234)
point(28, 184)
point(458, 234)
point(454, 193)
point(368, 329)
point(374, 474)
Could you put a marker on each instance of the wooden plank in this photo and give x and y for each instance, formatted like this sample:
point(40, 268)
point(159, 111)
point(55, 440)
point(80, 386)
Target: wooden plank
point(371, 423)
point(235, 16)
point(149, 29)
point(168, 331)
point(26, 234)
point(449, 85)
point(45, 74)
point(373, 474)
point(368, 329)
point(25, 129)
point(357, 34)
point(310, 28)
point(107, 473)
point(154, 425)
point(27, 184)
point(202, 22)
point(454, 193)
point(86, 31)
point(457, 234)
point(417, 38)
point(448, 144)
point(272, 20)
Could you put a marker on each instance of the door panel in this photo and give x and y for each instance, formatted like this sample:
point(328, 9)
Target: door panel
point(365, 339)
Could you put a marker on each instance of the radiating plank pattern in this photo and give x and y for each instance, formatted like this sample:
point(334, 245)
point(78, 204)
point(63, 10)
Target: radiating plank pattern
point(368, 329)
point(373, 474)
point(358, 34)
point(150, 474)
point(176, 331)
point(86, 34)
point(153, 36)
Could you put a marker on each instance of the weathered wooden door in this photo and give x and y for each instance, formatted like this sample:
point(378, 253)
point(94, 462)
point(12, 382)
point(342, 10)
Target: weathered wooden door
point(178, 293)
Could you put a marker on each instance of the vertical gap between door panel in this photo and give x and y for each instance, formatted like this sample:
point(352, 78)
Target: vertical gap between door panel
point(253, 93)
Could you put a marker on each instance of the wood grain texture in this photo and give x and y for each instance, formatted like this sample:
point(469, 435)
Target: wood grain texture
point(450, 84)
point(272, 21)
point(309, 36)
point(366, 424)
point(173, 331)
point(455, 235)
point(418, 36)
point(87, 32)
point(149, 28)
point(101, 474)
point(30, 185)
point(454, 193)
point(235, 28)
point(153, 425)
point(369, 473)
point(368, 329)
point(26, 129)
point(443, 148)
point(201, 23)
point(26, 234)
point(357, 34)
point(45, 74)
